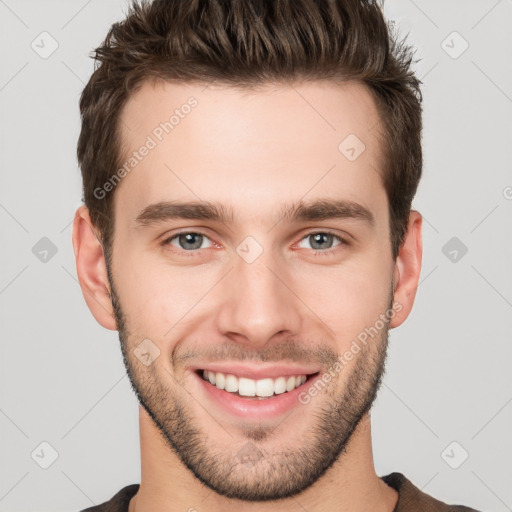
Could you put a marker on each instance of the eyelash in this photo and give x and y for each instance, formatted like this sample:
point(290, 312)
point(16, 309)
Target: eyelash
point(315, 252)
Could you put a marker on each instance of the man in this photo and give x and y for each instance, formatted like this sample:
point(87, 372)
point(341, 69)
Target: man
point(248, 171)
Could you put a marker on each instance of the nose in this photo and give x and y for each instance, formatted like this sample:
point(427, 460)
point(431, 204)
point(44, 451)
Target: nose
point(259, 302)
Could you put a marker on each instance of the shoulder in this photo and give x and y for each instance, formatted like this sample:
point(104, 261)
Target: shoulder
point(410, 498)
point(118, 503)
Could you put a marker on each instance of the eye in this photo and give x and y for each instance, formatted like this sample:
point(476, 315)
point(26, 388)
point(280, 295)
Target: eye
point(188, 241)
point(321, 241)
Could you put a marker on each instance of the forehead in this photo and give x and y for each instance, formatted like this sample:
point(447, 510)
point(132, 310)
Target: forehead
point(249, 149)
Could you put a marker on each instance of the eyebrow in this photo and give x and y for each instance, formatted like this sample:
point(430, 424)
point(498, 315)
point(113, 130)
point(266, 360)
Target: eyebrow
point(323, 209)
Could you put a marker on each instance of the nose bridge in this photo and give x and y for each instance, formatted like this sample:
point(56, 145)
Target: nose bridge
point(258, 303)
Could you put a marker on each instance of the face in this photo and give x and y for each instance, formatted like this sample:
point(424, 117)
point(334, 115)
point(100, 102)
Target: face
point(278, 269)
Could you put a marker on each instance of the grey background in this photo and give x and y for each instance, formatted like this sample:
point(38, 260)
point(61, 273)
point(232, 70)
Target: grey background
point(449, 372)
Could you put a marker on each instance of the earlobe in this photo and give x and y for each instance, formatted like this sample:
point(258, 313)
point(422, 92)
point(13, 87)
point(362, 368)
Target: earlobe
point(407, 269)
point(91, 269)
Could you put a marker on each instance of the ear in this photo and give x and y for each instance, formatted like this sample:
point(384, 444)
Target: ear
point(407, 269)
point(92, 270)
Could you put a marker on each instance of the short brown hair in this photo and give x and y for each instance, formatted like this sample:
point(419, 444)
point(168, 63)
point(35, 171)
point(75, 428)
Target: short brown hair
point(246, 43)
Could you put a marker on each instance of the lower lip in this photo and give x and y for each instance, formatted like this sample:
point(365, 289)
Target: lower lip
point(250, 408)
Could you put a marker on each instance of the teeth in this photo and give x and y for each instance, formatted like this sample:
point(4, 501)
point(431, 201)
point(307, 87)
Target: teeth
point(262, 388)
point(280, 385)
point(231, 382)
point(246, 387)
point(220, 380)
point(265, 387)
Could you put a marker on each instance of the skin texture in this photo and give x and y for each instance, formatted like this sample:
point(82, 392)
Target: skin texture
point(254, 152)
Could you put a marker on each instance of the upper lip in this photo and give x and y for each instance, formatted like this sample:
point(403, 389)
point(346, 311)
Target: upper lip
point(260, 371)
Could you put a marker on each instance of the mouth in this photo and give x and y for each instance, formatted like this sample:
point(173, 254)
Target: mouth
point(262, 392)
point(255, 389)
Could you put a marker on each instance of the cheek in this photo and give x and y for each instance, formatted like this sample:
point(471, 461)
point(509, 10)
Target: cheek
point(347, 298)
point(155, 296)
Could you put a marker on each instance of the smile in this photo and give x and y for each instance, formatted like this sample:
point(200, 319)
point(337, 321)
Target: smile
point(259, 389)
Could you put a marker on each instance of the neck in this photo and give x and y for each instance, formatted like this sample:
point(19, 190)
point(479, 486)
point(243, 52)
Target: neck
point(350, 484)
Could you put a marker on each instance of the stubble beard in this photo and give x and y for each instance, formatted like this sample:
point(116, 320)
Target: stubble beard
point(249, 472)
